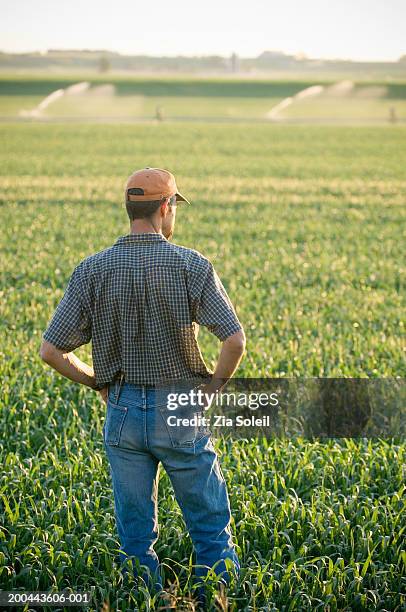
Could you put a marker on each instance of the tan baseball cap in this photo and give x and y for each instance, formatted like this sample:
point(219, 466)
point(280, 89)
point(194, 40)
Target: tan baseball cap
point(152, 184)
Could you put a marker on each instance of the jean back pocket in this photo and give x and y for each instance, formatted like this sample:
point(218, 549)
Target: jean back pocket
point(185, 425)
point(115, 417)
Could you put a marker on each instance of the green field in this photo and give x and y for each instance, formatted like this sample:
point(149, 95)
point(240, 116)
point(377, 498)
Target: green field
point(305, 226)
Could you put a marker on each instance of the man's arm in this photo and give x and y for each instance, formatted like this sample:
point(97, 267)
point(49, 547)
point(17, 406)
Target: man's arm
point(70, 327)
point(232, 350)
point(69, 366)
point(213, 308)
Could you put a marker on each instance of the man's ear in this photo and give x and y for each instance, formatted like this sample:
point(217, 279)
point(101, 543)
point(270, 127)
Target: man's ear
point(164, 207)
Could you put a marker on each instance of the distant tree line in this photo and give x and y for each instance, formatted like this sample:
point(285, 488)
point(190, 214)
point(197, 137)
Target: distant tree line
point(268, 61)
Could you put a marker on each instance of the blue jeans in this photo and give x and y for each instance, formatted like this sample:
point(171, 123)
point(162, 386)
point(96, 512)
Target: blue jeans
point(137, 437)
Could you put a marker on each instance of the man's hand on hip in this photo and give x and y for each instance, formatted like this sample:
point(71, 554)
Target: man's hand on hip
point(104, 393)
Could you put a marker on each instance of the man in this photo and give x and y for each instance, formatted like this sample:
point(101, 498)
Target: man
point(141, 301)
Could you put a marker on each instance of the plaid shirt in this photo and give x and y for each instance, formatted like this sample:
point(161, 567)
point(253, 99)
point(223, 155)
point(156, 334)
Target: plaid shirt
point(140, 302)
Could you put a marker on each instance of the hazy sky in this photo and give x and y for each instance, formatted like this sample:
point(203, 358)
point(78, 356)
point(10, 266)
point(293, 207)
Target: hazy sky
point(357, 29)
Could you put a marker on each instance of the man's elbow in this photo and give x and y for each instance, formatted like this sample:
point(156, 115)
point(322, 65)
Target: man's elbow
point(47, 352)
point(237, 342)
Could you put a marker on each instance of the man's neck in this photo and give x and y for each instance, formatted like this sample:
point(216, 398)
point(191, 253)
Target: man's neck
point(144, 227)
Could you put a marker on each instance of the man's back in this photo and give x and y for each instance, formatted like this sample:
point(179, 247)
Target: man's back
point(139, 302)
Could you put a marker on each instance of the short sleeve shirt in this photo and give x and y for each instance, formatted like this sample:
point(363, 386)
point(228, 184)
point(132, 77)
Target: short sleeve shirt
point(140, 302)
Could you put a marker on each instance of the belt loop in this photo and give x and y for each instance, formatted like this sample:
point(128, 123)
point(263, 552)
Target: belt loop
point(119, 384)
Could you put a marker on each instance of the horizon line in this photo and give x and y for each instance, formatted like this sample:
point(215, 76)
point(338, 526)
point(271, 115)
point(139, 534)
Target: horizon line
point(298, 56)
